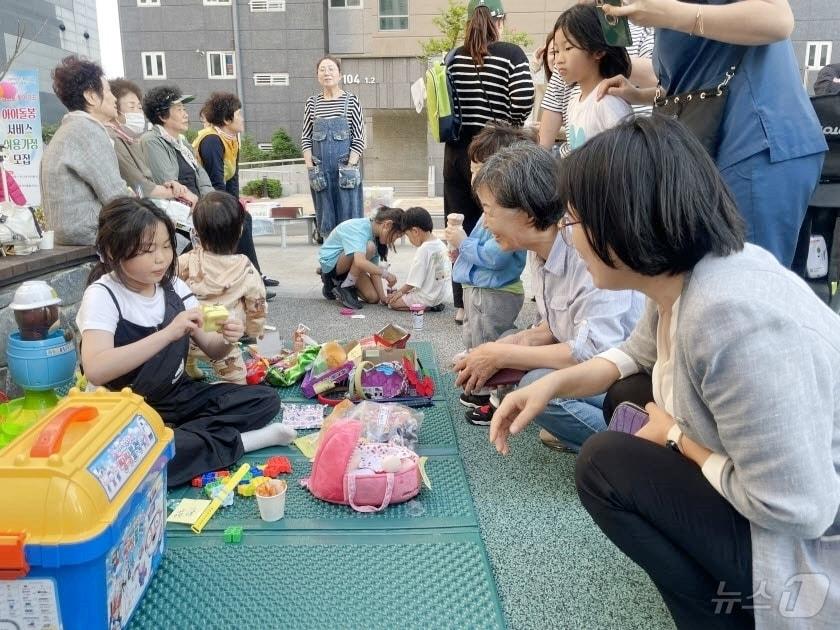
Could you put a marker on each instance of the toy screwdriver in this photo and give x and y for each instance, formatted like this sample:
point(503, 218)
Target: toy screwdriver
point(228, 487)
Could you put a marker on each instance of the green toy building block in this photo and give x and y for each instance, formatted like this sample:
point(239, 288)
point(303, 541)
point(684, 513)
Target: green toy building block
point(233, 534)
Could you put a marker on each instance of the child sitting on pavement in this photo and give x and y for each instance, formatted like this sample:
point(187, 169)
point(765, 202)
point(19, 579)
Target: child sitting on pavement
point(427, 283)
point(216, 274)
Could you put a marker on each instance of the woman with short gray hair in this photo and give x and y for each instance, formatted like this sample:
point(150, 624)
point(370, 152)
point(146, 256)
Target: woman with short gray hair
point(518, 189)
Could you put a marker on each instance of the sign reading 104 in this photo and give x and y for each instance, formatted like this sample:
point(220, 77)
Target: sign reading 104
point(355, 78)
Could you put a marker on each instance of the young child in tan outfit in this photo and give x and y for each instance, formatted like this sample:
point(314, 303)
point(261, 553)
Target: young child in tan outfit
point(217, 275)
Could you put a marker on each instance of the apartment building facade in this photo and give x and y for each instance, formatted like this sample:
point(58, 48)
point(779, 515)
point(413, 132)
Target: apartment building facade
point(816, 36)
point(52, 29)
point(266, 51)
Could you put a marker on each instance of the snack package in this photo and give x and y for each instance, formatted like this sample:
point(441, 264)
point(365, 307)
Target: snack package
point(280, 376)
point(331, 356)
point(388, 422)
point(301, 338)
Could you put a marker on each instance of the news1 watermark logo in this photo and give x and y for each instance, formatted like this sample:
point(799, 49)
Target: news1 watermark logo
point(802, 597)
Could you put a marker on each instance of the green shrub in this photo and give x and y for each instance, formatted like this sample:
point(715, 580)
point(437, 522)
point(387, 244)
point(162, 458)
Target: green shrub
point(250, 152)
point(271, 188)
point(283, 147)
point(190, 134)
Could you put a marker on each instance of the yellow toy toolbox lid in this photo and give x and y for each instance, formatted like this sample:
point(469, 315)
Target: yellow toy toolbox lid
point(65, 479)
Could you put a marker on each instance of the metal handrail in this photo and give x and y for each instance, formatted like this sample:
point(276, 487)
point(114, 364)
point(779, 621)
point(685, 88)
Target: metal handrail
point(261, 164)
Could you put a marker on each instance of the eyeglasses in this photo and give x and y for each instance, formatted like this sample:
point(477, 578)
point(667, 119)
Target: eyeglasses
point(565, 226)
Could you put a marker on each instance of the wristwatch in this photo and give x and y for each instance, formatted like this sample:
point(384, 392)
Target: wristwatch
point(672, 440)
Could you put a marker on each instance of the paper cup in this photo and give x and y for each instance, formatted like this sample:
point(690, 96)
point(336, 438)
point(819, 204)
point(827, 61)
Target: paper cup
point(47, 240)
point(273, 508)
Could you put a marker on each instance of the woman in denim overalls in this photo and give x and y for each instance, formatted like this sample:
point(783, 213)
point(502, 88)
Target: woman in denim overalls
point(333, 140)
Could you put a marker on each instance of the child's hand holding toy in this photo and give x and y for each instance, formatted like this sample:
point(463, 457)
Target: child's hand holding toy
point(185, 323)
point(232, 330)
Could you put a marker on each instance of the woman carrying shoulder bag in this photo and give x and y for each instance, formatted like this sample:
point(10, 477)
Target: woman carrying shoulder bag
point(492, 80)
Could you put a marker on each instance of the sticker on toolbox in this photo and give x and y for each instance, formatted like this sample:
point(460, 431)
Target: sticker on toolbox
point(29, 603)
point(131, 562)
point(123, 456)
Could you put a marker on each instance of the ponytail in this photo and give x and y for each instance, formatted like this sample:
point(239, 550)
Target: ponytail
point(397, 218)
point(481, 32)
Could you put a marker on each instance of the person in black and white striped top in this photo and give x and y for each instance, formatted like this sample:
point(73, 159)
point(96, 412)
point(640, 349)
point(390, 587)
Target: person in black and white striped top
point(333, 141)
point(492, 81)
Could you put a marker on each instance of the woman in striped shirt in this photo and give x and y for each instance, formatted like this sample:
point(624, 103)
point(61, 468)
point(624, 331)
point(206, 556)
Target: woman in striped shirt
point(492, 80)
point(333, 141)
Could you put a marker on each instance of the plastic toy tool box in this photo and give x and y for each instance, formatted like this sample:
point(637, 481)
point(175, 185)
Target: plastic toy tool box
point(83, 496)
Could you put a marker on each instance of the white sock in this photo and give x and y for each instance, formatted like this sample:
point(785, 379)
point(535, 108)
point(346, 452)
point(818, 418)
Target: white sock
point(349, 281)
point(274, 434)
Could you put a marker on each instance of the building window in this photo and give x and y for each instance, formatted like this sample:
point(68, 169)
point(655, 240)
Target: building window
point(393, 15)
point(271, 78)
point(345, 4)
point(817, 55)
point(216, 3)
point(220, 65)
point(148, 3)
point(267, 6)
point(154, 65)
point(265, 146)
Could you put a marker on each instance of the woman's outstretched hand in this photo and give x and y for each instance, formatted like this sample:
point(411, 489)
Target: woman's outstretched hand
point(518, 410)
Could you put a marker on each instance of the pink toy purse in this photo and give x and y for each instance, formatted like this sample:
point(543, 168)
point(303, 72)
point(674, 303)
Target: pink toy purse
point(365, 491)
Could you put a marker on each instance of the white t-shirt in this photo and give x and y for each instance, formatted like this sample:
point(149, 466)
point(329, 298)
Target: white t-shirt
point(98, 311)
point(429, 273)
point(590, 117)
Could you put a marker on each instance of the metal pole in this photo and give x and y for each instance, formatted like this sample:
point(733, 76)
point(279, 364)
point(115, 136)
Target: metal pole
point(237, 53)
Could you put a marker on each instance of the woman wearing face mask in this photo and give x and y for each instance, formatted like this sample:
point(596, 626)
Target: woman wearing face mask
point(125, 130)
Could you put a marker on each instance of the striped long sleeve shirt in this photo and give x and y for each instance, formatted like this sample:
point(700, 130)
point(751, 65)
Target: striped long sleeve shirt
point(318, 107)
point(499, 89)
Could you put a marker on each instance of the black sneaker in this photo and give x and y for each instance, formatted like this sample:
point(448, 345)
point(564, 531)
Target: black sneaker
point(270, 282)
point(436, 309)
point(270, 295)
point(327, 285)
point(473, 401)
point(480, 416)
point(347, 297)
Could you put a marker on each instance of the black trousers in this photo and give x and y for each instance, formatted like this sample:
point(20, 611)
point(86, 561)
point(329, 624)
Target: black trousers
point(246, 242)
point(208, 420)
point(637, 389)
point(457, 192)
point(657, 507)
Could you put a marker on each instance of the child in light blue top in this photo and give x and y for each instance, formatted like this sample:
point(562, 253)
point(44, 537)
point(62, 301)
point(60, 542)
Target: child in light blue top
point(491, 278)
point(350, 255)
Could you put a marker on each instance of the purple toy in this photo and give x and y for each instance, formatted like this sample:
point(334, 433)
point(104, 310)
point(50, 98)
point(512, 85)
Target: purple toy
point(311, 387)
point(385, 380)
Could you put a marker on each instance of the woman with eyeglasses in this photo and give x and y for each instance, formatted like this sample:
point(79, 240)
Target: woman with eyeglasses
point(729, 495)
point(517, 188)
point(333, 142)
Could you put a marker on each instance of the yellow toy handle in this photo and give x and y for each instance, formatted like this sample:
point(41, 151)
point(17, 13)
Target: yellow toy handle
point(215, 504)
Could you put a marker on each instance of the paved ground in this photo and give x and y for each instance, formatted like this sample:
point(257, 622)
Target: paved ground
point(553, 567)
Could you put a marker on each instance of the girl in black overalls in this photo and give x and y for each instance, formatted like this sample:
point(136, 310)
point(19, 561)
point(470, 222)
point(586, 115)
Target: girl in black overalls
point(136, 333)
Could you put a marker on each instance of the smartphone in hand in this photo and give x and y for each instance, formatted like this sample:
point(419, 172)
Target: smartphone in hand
point(616, 29)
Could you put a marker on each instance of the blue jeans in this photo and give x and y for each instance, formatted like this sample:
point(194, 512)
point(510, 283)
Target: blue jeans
point(570, 420)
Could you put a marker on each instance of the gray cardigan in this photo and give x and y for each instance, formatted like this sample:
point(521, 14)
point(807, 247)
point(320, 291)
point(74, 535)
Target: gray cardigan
point(757, 380)
point(163, 160)
point(79, 174)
